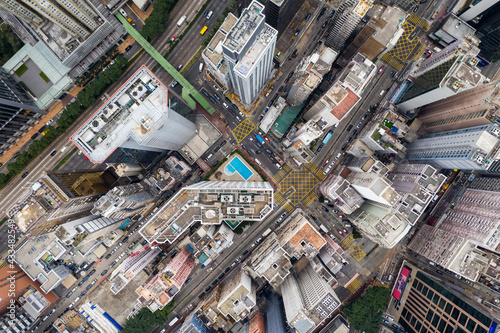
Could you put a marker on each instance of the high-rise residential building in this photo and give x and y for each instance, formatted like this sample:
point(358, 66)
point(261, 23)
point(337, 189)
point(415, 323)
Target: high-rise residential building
point(339, 191)
point(249, 51)
point(77, 183)
point(18, 112)
point(124, 201)
point(298, 237)
point(86, 229)
point(475, 218)
point(193, 324)
point(446, 73)
point(450, 30)
point(130, 267)
point(374, 187)
point(488, 31)
point(420, 303)
point(139, 122)
point(256, 323)
point(344, 94)
point(39, 259)
point(71, 29)
point(310, 74)
point(238, 296)
point(270, 261)
point(213, 54)
point(476, 8)
point(474, 107)
point(275, 320)
point(451, 252)
point(346, 18)
point(308, 300)
point(466, 149)
point(209, 313)
point(210, 203)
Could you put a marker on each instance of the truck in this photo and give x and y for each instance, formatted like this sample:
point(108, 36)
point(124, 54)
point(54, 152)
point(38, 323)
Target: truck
point(322, 227)
point(260, 139)
point(181, 20)
point(269, 91)
point(267, 232)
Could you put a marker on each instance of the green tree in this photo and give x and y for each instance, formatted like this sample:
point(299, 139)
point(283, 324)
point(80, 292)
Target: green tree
point(365, 313)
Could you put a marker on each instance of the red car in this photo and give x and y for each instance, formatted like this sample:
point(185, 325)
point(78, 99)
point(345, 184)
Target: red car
point(326, 162)
point(341, 216)
point(265, 138)
point(381, 69)
point(340, 232)
point(345, 231)
point(250, 138)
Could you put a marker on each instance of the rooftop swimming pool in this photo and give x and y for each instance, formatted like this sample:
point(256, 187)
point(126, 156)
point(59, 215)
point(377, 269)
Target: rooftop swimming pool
point(237, 165)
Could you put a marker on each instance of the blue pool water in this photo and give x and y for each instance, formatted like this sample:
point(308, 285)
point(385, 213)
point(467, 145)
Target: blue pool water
point(237, 165)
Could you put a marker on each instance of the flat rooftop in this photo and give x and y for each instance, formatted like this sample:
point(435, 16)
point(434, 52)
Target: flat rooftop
point(243, 30)
point(209, 203)
point(266, 36)
point(132, 113)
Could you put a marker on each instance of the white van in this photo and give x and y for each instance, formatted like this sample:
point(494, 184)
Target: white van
point(124, 13)
point(201, 67)
point(208, 157)
point(257, 161)
point(225, 105)
point(381, 93)
point(209, 15)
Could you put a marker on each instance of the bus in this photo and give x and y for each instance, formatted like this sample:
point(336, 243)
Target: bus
point(267, 232)
point(327, 137)
point(203, 30)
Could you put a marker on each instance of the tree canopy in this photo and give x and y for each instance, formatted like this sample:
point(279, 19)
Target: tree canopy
point(145, 320)
point(156, 22)
point(9, 43)
point(365, 313)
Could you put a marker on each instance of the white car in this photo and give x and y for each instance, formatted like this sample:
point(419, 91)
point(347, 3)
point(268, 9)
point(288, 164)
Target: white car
point(124, 13)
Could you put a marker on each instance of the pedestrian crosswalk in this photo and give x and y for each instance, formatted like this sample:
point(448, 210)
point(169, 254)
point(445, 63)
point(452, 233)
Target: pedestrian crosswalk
point(347, 242)
point(354, 286)
point(309, 199)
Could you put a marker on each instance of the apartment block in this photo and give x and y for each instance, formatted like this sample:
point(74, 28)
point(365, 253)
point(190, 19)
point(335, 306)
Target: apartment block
point(124, 201)
point(474, 107)
point(238, 296)
point(275, 320)
point(210, 315)
point(446, 73)
point(477, 8)
point(38, 258)
point(475, 218)
point(308, 300)
point(270, 261)
point(386, 133)
point(338, 190)
point(298, 237)
point(86, 229)
point(374, 187)
point(249, 51)
point(417, 184)
point(345, 20)
point(467, 149)
point(99, 318)
point(332, 255)
point(310, 74)
point(213, 55)
point(75, 183)
point(344, 94)
point(210, 203)
point(139, 122)
point(451, 30)
point(131, 266)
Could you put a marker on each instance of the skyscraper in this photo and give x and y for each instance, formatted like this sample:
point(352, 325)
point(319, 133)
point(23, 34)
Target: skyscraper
point(467, 149)
point(308, 299)
point(17, 111)
point(249, 51)
point(476, 8)
point(71, 29)
point(488, 31)
point(135, 125)
point(124, 201)
point(346, 18)
point(473, 107)
point(193, 324)
point(421, 304)
point(475, 215)
point(275, 321)
point(445, 74)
